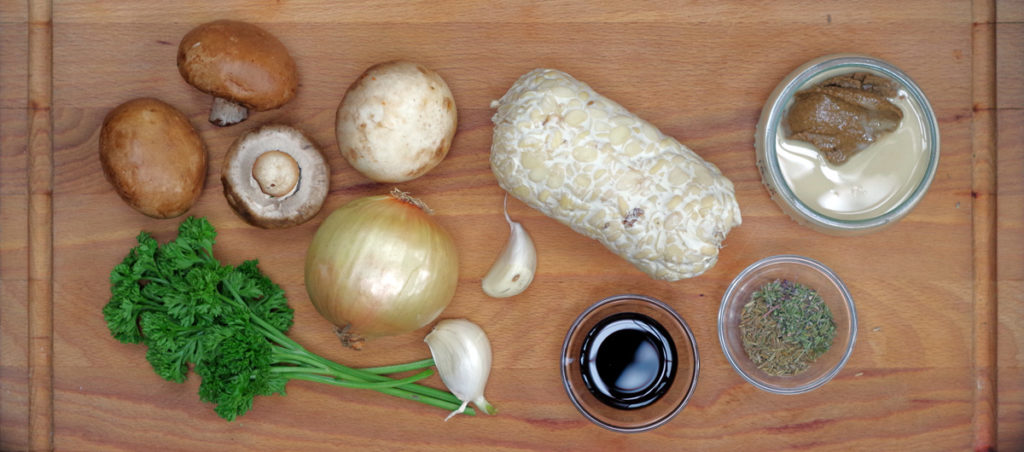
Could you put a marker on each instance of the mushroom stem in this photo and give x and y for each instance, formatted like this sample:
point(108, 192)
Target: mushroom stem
point(226, 113)
point(276, 172)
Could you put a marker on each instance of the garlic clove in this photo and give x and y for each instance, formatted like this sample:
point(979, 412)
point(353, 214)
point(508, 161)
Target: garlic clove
point(462, 355)
point(515, 267)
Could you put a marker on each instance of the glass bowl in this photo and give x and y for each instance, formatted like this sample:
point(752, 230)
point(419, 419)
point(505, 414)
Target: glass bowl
point(812, 274)
point(663, 408)
point(867, 192)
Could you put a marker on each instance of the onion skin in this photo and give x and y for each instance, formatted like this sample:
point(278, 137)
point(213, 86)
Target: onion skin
point(381, 266)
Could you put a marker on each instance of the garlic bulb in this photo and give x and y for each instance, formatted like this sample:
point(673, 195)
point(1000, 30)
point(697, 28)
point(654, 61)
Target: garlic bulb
point(462, 355)
point(513, 271)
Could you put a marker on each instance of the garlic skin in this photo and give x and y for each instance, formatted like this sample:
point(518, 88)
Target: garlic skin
point(513, 271)
point(462, 355)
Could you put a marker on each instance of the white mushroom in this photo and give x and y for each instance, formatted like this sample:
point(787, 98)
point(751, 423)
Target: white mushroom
point(396, 121)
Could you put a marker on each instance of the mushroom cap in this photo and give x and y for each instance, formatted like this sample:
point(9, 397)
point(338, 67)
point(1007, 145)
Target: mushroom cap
point(240, 62)
point(396, 122)
point(153, 157)
point(244, 194)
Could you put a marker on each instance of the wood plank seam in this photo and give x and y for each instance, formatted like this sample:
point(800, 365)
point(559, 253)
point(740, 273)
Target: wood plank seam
point(983, 223)
point(40, 224)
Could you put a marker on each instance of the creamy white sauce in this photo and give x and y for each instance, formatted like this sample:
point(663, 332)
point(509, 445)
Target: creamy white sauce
point(871, 182)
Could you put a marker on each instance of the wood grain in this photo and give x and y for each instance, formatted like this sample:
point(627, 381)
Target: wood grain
point(40, 226)
point(983, 227)
point(938, 294)
point(13, 227)
point(1010, 208)
point(1010, 344)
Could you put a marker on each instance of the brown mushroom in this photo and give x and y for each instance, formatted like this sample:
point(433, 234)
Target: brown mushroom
point(243, 66)
point(275, 177)
point(153, 157)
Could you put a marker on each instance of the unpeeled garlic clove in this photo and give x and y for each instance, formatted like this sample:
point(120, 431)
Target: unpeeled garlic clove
point(515, 267)
point(462, 355)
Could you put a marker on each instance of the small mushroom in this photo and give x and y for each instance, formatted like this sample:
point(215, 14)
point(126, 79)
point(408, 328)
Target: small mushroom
point(275, 177)
point(153, 157)
point(396, 121)
point(243, 66)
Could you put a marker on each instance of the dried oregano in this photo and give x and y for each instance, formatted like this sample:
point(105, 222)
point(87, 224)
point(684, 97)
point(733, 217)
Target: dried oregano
point(785, 327)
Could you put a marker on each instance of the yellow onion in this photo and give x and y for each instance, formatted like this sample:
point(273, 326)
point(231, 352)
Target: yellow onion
point(381, 266)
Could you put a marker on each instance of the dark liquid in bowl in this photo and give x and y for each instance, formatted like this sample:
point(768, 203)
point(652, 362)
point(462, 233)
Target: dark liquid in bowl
point(628, 361)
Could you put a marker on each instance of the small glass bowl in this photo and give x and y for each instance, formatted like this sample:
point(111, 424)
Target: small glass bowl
point(812, 274)
point(771, 123)
point(661, 410)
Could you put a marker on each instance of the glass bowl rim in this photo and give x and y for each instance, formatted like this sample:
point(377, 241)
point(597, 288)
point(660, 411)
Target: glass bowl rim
point(788, 259)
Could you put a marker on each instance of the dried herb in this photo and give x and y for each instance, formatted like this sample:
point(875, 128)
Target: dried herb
point(785, 327)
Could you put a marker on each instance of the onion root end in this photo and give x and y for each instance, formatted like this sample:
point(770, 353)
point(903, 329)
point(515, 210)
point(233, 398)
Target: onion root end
point(349, 338)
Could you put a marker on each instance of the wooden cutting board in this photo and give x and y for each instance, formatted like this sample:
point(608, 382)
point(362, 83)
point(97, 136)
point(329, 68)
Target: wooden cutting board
point(930, 346)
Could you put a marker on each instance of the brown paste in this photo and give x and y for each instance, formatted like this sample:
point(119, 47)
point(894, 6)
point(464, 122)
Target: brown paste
point(844, 114)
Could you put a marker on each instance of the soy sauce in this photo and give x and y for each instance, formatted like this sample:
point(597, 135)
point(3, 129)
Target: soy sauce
point(628, 361)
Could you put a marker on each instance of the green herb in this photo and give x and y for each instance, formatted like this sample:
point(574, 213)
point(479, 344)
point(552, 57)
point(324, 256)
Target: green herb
point(785, 327)
point(228, 323)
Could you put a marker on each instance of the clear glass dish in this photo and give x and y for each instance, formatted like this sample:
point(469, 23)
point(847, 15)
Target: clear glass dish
point(665, 407)
point(894, 204)
point(812, 274)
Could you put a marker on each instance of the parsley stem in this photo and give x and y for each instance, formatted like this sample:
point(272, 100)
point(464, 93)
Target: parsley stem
point(267, 329)
point(422, 390)
point(415, 391)
point(153, 279)
point(303, 357)
point(358, 374)
point(298, 373)
point(439, 403)
point(406, 390)
point(428, 392)
point(394, 369)
point(308, 358)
